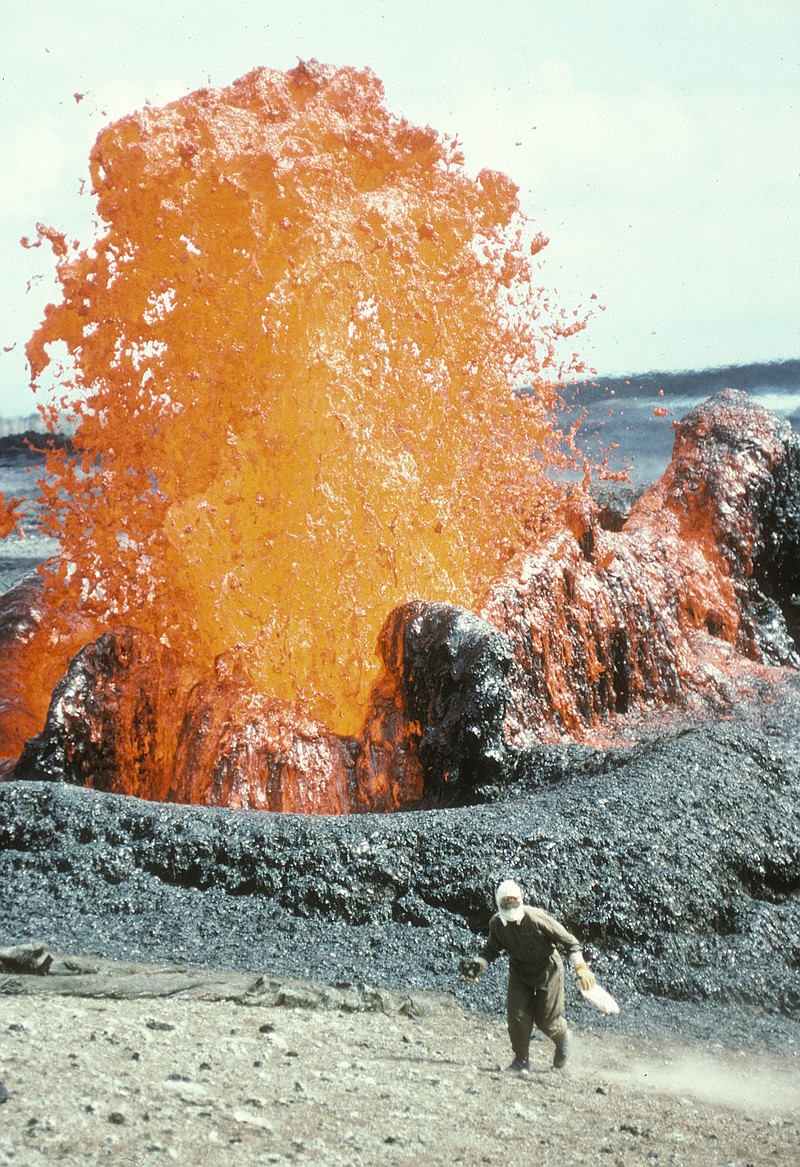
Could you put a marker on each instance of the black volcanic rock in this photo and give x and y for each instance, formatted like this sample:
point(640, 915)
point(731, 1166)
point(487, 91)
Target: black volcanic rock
point(451, 670)
point(677, 862)
point(776, 568)
point(31, 445)
point(741, 465)
point(105, 725)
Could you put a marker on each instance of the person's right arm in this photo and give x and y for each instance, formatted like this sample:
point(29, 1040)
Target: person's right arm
point(473, 967)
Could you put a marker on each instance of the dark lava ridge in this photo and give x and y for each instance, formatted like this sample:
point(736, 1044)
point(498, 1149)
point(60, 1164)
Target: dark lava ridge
point(677, 861)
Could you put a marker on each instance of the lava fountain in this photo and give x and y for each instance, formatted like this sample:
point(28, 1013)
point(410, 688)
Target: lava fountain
point(294, 349)
point(290, 359)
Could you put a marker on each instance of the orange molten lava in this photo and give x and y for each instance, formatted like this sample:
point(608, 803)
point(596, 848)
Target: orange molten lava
point(292, 352)
point(9, 515)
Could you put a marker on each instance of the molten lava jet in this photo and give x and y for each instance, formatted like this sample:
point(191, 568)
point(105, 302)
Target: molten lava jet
point(292, 355)
point(294, 349)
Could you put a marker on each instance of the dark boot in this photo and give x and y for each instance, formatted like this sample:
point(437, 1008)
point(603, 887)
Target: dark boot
point(562, 1051)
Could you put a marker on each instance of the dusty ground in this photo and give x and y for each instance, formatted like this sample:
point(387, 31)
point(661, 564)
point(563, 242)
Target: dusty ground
point(205, 1083)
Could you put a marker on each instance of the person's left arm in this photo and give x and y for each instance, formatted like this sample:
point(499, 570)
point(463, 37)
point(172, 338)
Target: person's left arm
point(559, 936)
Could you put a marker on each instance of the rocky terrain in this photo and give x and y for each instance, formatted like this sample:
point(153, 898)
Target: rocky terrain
point(340, 1032)
point(119, 1064)
point(676, 860)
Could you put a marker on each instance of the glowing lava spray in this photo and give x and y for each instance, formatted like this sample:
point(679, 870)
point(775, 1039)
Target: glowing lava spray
point(292, 351)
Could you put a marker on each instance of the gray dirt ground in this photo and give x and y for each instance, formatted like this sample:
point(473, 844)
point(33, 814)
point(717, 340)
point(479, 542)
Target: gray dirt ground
point(211, 1083)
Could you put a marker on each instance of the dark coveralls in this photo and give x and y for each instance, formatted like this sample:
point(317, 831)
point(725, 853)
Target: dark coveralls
point(535, 975)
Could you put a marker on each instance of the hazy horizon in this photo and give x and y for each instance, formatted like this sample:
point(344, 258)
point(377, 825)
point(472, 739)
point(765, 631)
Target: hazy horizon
point(752, 368)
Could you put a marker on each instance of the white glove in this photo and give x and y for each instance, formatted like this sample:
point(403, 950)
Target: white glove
point(586, 977)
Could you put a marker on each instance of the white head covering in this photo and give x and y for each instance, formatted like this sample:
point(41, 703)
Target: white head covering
point(509, 915)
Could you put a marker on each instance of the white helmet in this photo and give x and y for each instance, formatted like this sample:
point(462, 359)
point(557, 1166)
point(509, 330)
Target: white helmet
point(509, 902)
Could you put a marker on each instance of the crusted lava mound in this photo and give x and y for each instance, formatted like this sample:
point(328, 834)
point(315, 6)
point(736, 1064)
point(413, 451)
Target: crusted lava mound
point(680, 607)
point(702, 577)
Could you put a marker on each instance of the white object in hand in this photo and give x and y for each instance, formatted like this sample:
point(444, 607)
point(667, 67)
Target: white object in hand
point(601, 999)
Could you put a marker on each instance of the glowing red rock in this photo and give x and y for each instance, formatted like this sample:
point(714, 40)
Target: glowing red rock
point(106, 727)
point(20, 613)
point(110, 726)
point(37, 641)
point(238, 748)
point(603, 622)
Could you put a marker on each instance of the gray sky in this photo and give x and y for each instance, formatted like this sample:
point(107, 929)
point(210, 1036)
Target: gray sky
point(656, 143)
